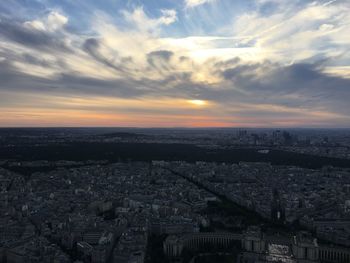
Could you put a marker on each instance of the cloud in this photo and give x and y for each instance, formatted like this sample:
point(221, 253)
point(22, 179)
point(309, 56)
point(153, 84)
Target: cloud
point(297, 85)
point(93, 47)
point(14, 80)
point(139, 19)
point(30, 59)
point(31, 37)
point(296, 30)
point(194, 3)
point(168, 17)
point(53, 22)
point(160, 59)
point(56, 21)
point(35, 24)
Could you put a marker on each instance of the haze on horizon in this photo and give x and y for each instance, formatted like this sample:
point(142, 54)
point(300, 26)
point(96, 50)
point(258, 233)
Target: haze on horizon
point(175, 63)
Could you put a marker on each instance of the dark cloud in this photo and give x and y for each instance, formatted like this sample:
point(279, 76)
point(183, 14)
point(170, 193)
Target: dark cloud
point(307, 79)
point(297, 85)
point(41, 40)
point(240, 72)
point(228, 63)
point(160, 59)
point(161, 54)
point(11, 55)
point(14, 80)
point(92, 47)
point(30, 59)
point(184, 58)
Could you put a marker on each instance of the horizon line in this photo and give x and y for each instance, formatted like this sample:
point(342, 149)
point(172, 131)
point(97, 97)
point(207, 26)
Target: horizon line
point(167, 127)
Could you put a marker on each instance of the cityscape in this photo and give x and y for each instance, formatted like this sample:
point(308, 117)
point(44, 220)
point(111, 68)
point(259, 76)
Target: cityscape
point(150, 198)
point(174, 131)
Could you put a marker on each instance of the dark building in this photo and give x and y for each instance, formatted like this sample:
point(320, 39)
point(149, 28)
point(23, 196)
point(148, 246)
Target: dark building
point(277, 208)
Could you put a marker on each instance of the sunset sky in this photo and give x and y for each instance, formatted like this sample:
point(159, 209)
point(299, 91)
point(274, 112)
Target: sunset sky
point(175, 63)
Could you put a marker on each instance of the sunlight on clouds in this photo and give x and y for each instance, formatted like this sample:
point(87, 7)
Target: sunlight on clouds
point(35, 70)
point(135, 42)
point(298, 35)
point(198, 49)
point(35, 24)
point(54, 21)
point(194, 3)
point(250, 54)
point(342, 71)
point(169, 16)
point(141, 21)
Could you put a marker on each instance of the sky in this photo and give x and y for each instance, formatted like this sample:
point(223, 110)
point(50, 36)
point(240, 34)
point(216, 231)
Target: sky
point(175, 63)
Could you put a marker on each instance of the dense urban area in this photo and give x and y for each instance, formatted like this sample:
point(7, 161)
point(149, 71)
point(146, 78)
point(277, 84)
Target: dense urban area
point(174, 195)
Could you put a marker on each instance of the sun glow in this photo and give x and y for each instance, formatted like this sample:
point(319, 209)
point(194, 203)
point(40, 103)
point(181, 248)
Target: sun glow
point(198, 102)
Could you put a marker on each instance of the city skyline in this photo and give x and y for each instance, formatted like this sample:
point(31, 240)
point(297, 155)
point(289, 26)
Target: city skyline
point(191, 63)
